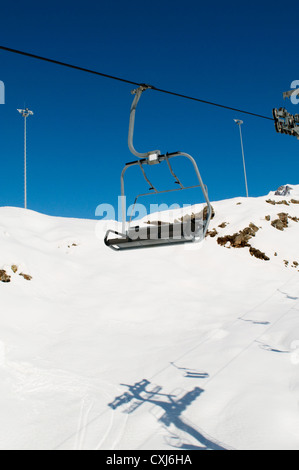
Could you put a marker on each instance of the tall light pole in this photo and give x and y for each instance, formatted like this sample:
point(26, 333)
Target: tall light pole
point(25, 113)
point(239, 123)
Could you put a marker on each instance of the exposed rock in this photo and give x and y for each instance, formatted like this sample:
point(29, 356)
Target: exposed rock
point(201, 215)
point(26, 276)
point(205, 213)
point(282, 222)
point(187, 217)
point(14, 268)
point(253, 228)
point(222, 241)
point(283, 191)
point(240, 239)
point(223, 225)
point(278, 225)
point(285, 203)
point(258, 254)
point(212, 233)
point(268, 218)
point(293, 201)
point(274, 203)
point(4, 277)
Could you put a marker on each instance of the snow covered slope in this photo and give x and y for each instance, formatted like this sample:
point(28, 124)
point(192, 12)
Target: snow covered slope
point(174, 347)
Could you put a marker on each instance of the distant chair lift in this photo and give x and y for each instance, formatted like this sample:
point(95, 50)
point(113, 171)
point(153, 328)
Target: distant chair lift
point(184, 231)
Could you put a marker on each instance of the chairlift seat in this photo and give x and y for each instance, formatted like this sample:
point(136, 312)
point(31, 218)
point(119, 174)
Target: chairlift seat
point(156, 235)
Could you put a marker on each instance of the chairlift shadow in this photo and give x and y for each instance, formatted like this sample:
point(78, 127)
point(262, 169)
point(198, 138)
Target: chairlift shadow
point(171, 406)
point(266, 347)
point(255, 322)
point(288, 296)
point(191, 373)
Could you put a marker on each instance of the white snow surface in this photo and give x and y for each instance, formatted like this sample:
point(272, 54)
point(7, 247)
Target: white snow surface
point(210, 334)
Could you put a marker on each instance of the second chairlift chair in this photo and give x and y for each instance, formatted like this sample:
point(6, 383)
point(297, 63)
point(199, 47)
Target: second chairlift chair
point(184, 231)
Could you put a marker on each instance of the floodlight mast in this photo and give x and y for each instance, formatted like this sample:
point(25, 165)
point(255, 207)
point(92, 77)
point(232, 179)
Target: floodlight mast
point(25, 113)
point(239, 123)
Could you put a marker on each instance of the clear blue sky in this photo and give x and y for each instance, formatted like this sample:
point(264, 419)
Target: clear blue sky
point(241, 54)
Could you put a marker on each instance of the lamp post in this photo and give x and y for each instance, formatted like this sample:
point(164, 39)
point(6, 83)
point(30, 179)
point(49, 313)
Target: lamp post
point(239, 123)
point(25, 113)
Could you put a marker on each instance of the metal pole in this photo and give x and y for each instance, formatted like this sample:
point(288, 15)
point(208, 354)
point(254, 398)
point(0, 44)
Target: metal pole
point(245, 175)
point(25, 164)
point(239, 123)
point(25, 113)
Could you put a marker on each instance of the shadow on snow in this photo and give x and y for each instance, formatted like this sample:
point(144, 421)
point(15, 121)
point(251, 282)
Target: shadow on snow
point(170, 407)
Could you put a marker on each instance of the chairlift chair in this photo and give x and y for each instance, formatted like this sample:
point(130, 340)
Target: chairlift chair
point(286, 123)
point(160, 234)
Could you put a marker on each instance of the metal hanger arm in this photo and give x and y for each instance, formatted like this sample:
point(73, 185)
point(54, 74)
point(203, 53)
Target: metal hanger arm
point(138, 92)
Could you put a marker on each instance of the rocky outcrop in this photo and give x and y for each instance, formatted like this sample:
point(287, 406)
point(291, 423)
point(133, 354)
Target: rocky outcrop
point(240, 239)
point(4, 277)
point(258, 254)
point(283, 191)
point(26, 276)
point(213, 233)
point(283, 221)
point(274, 203)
